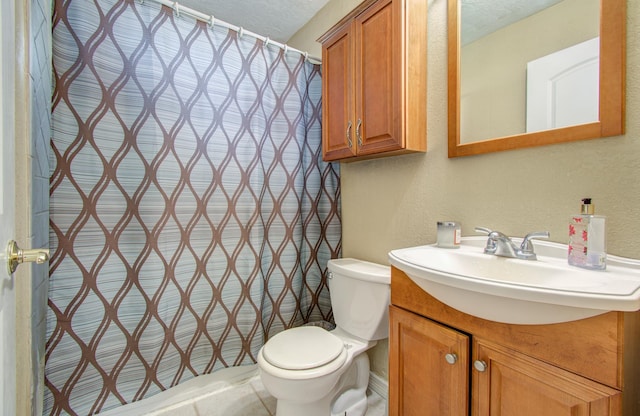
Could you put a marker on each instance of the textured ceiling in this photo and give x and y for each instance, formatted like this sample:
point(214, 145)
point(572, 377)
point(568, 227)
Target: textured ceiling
point(281, 19)
point(275, 19)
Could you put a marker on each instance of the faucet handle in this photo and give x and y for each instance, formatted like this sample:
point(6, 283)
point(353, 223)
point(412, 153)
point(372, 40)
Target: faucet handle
point(482, 230)
point(490, 248)
point(526, 248)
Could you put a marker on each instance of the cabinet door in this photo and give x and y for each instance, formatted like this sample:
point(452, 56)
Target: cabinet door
point(509, 383)
point(378, 56)
point(424, 377)
point(338, 130)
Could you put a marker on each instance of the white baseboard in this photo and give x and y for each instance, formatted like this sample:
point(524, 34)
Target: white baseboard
point(379, 385)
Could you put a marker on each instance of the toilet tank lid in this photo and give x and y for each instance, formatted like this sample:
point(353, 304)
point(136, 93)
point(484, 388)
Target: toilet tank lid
point(360, 269)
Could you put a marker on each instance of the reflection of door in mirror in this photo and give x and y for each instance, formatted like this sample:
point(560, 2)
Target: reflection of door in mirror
point(563, 87)
point(493, 69)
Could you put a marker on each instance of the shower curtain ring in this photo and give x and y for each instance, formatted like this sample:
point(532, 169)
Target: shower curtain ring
point(176, 7)
point(306, 56)
point(212, 21)
point(241, 32)
point(286, 48)
point(266, 42)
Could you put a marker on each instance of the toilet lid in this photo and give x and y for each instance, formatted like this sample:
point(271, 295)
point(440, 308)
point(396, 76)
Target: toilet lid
point(302, 348)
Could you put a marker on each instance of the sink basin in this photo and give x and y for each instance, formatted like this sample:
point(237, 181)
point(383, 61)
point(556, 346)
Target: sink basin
point(516, 291)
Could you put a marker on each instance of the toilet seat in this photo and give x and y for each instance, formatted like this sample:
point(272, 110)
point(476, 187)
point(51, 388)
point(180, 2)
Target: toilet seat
point(303, 348)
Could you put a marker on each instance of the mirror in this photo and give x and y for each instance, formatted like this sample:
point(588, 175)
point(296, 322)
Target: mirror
point(488, 116)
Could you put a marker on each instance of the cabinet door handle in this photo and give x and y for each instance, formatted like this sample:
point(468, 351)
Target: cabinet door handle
point(358, 135)
point(349, 141)
point(480, 365)
point(451, 358)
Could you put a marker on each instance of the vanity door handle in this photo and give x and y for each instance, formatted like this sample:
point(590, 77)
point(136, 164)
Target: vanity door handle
point(349, 141)
point(451, 358)
point(480, 365)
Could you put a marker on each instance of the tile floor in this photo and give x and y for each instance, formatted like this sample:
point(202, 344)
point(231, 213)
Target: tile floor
point(241, 395)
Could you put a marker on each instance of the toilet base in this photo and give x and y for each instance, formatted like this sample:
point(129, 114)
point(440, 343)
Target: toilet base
point(322, 408)
point(348, 397)
point(357, 405)
point(289, 408)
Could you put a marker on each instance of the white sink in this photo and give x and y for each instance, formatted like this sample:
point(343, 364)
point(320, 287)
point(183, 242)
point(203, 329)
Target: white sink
point(516, 291)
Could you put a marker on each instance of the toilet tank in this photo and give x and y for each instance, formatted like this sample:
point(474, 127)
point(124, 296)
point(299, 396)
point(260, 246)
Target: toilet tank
point(360, 294)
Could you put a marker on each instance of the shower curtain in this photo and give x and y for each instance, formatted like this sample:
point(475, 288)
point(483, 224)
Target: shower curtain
point(192, 216)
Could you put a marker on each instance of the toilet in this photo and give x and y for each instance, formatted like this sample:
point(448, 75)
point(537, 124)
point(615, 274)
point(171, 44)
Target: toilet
point(315, 372)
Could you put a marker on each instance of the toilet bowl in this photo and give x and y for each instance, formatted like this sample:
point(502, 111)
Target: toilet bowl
point(315, 372)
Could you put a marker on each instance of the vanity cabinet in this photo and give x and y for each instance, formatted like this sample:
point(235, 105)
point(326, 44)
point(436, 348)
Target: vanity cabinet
point(445, 362)
point(374, 81)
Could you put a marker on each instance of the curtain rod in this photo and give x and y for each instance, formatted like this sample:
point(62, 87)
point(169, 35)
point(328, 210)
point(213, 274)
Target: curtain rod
point(212, 21)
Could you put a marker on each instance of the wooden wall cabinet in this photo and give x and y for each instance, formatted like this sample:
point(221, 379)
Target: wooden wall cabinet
point(374, 80)
point(445, 362)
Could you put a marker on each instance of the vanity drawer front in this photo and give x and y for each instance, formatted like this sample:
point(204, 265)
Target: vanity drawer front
point(589, 347)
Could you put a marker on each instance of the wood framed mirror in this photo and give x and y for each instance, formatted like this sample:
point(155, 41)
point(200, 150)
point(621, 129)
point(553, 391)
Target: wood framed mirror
point(608, 117)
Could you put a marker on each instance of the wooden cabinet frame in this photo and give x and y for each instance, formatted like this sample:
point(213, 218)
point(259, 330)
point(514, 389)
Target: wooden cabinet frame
point(374, 81)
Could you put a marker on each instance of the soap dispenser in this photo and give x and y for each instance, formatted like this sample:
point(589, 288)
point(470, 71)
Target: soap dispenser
point(587, 239)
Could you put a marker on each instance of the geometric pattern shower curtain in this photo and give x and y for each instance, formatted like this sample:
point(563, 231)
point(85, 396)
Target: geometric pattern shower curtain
point(192, 216)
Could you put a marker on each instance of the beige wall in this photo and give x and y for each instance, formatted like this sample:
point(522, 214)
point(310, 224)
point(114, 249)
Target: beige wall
point(395, 202)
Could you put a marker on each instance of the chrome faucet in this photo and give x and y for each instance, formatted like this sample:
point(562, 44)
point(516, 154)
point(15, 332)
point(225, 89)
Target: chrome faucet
point(499, 244)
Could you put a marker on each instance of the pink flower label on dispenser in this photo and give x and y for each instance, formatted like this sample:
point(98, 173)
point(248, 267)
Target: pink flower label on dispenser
point(587, 241)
